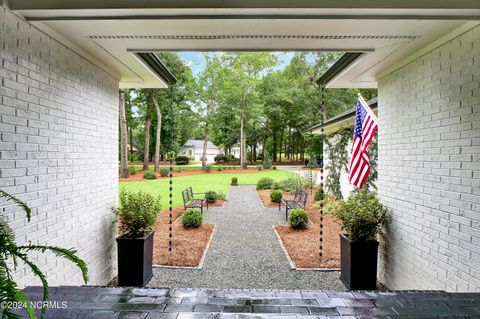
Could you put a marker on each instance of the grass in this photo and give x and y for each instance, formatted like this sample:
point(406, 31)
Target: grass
point(199, 183)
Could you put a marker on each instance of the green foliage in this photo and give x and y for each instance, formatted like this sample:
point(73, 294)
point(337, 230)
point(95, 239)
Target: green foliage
point(312, 162)
point(149, 175)
point(265, 183)
point(182, 160)
point(274, 167)
point(293, 182)
point(10, 253)
point(192, 218)
point(267, 161)
point(298, 218)
point(362, 215)
point(319, 195)
point(208, 168)
point(276, 196)
point(259, 167)
point(137, 213)
point(220, 158)
point(211, 196)
point(234, 181)
point(219, 169)
point(133, 170)
point(164, 171)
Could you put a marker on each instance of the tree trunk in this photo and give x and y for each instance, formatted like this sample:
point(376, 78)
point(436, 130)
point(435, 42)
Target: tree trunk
point(124, 172)
point(254, 153)
point(274, 143)
point(131, 142)
point(159, 132)
point(204, 153)
point(281, 148)
point(146, 148)
point(242, 144)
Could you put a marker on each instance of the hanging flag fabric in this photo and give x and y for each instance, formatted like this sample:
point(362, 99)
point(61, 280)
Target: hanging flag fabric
point(363, 131)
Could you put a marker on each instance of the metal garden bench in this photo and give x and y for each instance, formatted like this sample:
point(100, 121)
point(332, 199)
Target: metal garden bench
point(299, 201)
point(189, 200)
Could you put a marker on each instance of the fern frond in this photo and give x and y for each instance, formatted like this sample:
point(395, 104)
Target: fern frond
point(69, 254)
point(23, 205)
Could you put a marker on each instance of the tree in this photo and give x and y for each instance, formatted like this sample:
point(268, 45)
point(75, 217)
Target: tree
point(124, 172)
point(159, 130)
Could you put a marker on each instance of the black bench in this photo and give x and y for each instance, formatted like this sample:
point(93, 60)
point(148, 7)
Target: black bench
point(189, 200)
point(299, 201)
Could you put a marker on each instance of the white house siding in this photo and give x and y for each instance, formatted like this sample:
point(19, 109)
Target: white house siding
point(58, 151)
point(429, 168)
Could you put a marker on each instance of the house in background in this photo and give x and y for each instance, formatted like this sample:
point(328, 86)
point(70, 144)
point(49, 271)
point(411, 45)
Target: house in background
point(331, 129)
point(194, 150)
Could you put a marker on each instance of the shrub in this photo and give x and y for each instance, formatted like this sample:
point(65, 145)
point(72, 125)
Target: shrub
point(276, 185)
point(208, 168)
point(219, 169)
point(164, 171)
point(312, 162)
point(149, 175)
point(137, 213)
point(192, 218)
point(211, 196)
point(234, 181)
point(220, 158)
point(319, 195)
point(265, 183)
point(133, 170)
point(298, 218)
point(267, 162)
point(362, 216)
point(182, 160)
point(276, 196)
point(259, 167)
point(274, 168)
point(293, 182)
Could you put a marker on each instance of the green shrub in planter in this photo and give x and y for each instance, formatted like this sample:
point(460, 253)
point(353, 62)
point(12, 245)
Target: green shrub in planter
point(298, 218)
point(164, 171)
point(182, 160)
point(259, 167)
point(211, 196)
point(137, 213)
point(362, 216)
point(234, 181)
point(192, 218)
point(319, 195)
point(133, 170)
point(149, 175)
point(276, 196)
point(265, 183)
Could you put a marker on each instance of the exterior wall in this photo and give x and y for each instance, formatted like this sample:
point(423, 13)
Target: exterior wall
point(58, 151)
point(345, 187)
point(429, 168)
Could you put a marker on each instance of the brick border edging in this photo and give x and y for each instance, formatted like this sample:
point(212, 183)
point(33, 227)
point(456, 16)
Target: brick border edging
point(292, 263)
point(202, 260)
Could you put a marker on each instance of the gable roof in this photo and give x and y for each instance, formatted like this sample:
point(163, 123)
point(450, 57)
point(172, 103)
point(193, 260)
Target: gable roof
point(198, 144)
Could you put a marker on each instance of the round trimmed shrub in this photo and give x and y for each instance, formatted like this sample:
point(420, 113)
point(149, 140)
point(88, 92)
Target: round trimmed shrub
point(276, 196)
point(234, 181)
point(319, 195)
point(192, 218)
point(265, 183)
point(149, 175)
point(298, 218)
point(211, 196)
point(164, 171)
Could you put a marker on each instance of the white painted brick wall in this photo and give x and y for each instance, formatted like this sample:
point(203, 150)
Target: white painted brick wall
point(429, 168)
point(58, 151)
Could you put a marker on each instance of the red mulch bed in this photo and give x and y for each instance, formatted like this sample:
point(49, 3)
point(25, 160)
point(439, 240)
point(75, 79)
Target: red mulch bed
point(188, 243)
point(264, 195)
point(139, 175)
point(303, 244)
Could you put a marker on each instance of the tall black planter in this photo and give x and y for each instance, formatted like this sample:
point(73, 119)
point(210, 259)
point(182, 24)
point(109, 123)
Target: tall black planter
point(135, 257)
point(359, 263)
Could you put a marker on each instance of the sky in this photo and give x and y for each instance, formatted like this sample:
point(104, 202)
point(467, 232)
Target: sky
point(196, 60)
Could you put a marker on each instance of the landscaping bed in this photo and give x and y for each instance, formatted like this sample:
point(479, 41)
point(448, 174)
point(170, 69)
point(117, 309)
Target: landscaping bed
point(264, 195)
point(302, 245)
point(188, 246)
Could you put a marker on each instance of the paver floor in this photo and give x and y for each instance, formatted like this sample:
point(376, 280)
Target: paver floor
point(244, 252)
point(130, 303)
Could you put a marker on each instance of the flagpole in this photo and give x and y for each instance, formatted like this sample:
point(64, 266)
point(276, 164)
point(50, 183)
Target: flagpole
point(368, 107)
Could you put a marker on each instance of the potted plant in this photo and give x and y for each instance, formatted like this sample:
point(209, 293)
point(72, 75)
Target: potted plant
point(362, 217)
point(136, 215)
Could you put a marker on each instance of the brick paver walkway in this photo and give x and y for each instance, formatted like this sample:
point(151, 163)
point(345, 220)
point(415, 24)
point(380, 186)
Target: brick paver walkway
point(130, 303)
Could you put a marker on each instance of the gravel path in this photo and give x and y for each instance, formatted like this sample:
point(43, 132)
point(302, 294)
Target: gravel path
point(245, 252)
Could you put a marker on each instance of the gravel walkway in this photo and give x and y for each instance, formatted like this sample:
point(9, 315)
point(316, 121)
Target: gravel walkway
point(245, 252)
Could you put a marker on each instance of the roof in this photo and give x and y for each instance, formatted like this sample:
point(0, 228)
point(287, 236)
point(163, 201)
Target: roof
point(198, 144)
point(341, 119)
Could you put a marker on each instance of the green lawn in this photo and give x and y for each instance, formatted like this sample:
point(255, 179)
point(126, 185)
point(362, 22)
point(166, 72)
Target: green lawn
point(199, 183)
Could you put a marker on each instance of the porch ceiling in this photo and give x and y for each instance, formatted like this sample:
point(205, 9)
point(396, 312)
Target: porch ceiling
point(109, 32)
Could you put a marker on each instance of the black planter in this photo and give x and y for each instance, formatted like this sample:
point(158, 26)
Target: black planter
point(135, 257)
point(359, 263)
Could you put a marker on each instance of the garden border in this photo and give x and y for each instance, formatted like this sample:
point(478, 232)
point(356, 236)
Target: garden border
point(292, 262)
point(202, 260)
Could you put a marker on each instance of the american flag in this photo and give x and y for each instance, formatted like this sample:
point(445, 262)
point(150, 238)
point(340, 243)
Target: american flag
point(365, 127)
